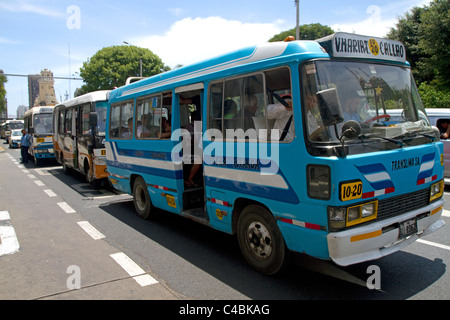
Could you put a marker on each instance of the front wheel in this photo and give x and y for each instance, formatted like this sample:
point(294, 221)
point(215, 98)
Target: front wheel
point(141, 198)
point(261, 241)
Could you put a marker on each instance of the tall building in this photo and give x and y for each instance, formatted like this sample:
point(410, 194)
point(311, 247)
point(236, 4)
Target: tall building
point(21, 111)
point(41, 91)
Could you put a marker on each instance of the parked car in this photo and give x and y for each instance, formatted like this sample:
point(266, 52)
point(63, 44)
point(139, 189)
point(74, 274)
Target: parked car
point(436, 116)
point(14, 138)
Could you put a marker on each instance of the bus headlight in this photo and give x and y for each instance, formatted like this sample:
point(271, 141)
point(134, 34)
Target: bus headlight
point(341, 217)
point(436, 190)
point(337, 217)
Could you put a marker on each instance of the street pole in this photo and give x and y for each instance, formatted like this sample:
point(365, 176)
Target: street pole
point(297, 29)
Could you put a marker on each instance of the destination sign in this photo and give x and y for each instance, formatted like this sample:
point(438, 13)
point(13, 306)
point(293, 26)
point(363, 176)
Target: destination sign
point(348, 45)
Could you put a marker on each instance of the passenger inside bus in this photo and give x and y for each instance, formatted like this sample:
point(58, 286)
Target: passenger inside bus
point(284, 116)
point(166, 129)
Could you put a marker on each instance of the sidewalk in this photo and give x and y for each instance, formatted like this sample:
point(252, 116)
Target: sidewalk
point(58, 252)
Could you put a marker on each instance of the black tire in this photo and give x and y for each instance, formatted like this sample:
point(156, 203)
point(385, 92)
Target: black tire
point(261, 241)
point(141, 198)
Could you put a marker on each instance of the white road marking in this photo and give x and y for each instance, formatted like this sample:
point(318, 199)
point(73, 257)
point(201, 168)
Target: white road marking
point(446, 213)
point(434, 244)
point(66, 207)
point(9, 243)
point(133, 269)
point(50, 193)
point(39, 183)
point(31, 176)
point(91, 230)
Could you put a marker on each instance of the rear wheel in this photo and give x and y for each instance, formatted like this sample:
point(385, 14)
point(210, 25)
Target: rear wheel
point(261, 241)
point(141, 198)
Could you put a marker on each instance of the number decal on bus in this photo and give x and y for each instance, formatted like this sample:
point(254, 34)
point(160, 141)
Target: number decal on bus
point(350, 191)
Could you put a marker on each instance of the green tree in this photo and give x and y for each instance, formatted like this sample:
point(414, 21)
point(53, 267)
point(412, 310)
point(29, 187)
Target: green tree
point(311, 31)
point(111, 66)
point(3, 80)
point(407, 32)
point(435, 41)
point(425, 32)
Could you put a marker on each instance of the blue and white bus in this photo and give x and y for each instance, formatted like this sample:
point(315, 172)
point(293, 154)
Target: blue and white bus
point(287, 145)
point(39, 124)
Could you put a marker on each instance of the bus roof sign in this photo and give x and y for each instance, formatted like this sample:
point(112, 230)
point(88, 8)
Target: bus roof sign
point(348, 45)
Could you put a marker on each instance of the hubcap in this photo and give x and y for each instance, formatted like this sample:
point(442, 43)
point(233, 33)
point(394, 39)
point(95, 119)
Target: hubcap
point(259, 240)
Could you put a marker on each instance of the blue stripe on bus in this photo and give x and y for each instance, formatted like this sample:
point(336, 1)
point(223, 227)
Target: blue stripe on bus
point(177, 174)
point(288, 196)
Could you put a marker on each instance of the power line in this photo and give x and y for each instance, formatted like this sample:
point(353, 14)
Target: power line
point(39, 76)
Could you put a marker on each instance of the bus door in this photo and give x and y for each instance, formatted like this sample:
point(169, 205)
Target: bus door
point(69, 144)
point(190, 107)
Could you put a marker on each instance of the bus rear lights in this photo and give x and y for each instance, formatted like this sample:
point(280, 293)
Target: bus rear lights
point(437, 190)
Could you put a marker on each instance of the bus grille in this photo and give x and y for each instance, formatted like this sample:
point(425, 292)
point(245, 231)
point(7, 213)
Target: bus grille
point(396, 206)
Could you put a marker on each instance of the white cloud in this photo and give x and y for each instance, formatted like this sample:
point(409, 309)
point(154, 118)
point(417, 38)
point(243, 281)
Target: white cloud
point(375, 25)
point(380, 19)
point(23, 6)
point(192, 40)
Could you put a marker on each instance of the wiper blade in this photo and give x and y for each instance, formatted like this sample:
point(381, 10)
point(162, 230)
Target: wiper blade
point(413, 134)
point(369, 135)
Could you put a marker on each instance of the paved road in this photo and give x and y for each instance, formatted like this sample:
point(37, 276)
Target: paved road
point(69, 235)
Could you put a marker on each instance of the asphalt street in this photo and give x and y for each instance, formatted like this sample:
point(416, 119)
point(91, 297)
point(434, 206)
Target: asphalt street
point(62, 240)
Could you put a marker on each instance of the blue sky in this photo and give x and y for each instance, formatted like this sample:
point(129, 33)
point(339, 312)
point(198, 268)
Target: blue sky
point(62, 34)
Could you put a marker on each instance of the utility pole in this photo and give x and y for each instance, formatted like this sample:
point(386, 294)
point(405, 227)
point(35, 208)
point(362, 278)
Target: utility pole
point(297, 29)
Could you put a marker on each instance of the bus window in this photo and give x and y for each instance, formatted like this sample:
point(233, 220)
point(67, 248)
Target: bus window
point(68, 122)
point(241, 103)
point(148, 114)
point(85, 125)
point(100, 108)
point(122, 121)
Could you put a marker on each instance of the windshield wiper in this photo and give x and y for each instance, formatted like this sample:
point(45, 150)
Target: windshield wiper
point(371, 135)
point(413, 134)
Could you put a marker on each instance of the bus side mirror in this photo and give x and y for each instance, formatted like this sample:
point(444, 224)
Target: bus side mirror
point(329, 107)
point(93, 118)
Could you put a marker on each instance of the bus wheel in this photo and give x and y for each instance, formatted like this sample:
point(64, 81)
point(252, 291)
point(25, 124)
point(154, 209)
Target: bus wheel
point(261, 241)
point(141, 198)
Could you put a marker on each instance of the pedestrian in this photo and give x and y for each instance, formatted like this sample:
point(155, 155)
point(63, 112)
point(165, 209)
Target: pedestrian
point(24, 144)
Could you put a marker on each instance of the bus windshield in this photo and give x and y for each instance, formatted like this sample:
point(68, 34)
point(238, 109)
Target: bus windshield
point(100, 108)
point(382, 99)
point(42, 123)
point(15, 125)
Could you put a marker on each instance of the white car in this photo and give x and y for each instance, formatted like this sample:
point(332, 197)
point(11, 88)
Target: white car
point(14, 138)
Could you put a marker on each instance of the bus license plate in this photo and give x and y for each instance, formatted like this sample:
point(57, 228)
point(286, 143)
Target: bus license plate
point(408, 228)
point(350, 191)
point(40, 140)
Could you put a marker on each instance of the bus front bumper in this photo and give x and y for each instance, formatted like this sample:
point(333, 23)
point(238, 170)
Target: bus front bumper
point(382, 238)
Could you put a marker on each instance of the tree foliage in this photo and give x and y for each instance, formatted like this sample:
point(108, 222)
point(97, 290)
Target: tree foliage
point(311, 31)
point(111, 66)
point(425, 32)
point(3, 80)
